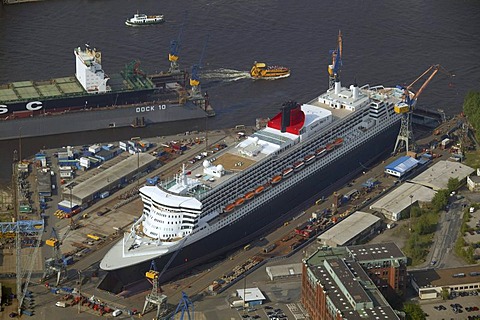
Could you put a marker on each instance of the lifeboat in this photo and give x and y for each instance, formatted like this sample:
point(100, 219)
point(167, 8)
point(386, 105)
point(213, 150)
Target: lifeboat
point(309, 158)
point(329, 147)
point(260, 70)
point(298, 165)
point(320, 152)
point(288, 171)
point(276, 179)
point(239, 201)
point(338, 142)
point(229, 208)
point(249, 195)
point(259, 189)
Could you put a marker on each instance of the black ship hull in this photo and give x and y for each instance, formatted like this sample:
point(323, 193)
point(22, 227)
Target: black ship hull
point(86, 101)
point(263, 219)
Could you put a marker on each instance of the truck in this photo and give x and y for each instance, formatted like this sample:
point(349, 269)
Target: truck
point(472, 209)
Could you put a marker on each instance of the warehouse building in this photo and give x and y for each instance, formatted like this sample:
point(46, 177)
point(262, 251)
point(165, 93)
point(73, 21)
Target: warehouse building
point(352, 230)
point(393, 204)
point(400, 167)
point(436, 177)
point(111, 178)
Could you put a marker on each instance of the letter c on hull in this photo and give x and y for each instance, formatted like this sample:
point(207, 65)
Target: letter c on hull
point(34, 105)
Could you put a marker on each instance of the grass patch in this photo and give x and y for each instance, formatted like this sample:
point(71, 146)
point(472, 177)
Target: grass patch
point(420, 238)
point(472, 159)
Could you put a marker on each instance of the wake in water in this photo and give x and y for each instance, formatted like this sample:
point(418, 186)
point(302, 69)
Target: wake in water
point(227, 75)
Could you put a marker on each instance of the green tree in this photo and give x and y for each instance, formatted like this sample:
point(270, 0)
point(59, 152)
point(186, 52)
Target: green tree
point(471, 108)
point(453, 184)
point(445, 294)
point(440, 200)
point(413, 311)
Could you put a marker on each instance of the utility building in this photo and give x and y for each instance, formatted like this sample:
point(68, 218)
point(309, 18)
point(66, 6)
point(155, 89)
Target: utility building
point(401, 166)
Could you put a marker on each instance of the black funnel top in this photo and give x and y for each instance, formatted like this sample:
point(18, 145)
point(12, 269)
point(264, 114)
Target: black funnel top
point(286, 108)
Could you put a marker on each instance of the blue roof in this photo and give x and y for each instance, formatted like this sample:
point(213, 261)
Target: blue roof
point(402, 164)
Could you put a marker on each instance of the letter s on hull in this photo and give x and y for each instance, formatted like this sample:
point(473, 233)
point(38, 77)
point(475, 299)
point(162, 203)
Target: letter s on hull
point(34, 105)
point(3, 109)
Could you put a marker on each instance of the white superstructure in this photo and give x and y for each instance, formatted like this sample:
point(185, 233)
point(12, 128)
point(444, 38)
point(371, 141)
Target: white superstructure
point(89, 70)
point(206, 197)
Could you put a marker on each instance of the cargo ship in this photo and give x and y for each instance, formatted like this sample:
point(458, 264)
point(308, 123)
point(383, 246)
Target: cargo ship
point(261, 70)
point(245, 190)
point(93, 100)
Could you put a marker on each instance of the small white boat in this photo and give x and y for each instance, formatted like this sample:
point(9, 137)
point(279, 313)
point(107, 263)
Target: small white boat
point(141, 19)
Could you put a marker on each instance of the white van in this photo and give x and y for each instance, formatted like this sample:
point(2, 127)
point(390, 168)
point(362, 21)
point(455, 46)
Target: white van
point(116, 313)
point(61, 304)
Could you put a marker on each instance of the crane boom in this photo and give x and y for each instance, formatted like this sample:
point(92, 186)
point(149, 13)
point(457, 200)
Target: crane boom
point(334, 68)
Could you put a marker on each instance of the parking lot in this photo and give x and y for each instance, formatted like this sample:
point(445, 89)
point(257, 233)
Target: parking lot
point(460, 307)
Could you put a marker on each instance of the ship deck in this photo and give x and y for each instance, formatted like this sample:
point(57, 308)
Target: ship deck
point(64, 87)
point(28, 90)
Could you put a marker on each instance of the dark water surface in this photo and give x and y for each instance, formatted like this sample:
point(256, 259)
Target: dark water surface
point(385, 42)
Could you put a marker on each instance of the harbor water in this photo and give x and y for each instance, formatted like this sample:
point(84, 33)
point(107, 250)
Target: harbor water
point(384, 43)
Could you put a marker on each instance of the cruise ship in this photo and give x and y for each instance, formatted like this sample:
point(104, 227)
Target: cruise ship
point(93, 100)
point(243, 191)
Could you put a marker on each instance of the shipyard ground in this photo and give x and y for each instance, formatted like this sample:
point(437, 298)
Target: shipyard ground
point(283, 294)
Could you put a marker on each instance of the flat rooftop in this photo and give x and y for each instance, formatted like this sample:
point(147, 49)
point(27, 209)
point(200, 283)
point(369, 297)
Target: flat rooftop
point(436, 177)
point(105, 178)
point(444, 277)
point(380, 251)
point(399, 199)
point(349, 228)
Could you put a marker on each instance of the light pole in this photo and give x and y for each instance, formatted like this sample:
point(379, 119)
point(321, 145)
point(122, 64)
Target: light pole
point(411, 217)
point(79, 289)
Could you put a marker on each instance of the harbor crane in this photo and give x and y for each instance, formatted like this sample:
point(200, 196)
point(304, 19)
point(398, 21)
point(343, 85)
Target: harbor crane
point(334, 68)
point(406, 106)
point(195, 78)
point(55, 264)
point(184, 306)
point(175, 48)
point(155, 298)
point(28, 232)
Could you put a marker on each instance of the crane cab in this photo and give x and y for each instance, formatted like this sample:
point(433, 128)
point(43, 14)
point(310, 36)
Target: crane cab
point(401, 107)
point(52, 242)
point(152, 274)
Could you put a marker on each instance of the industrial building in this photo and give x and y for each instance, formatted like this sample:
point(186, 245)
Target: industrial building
point(399, 200)
point(284, 271)
point(347, 283)
point(401, 166)
point(353, 229)
point(436, 177)
point(430, 283)
point(473, 183)
point(111, 178)
point(251, 296)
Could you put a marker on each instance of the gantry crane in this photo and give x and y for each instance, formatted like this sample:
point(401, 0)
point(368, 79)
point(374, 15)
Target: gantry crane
point(55, 264)
point(334, 68)
point(155, 298)
point(406, 106)
point(185, 305)
point(175, 48)
point(195, 78)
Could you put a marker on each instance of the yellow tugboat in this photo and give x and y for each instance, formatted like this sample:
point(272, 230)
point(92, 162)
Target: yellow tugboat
point(260, 70)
